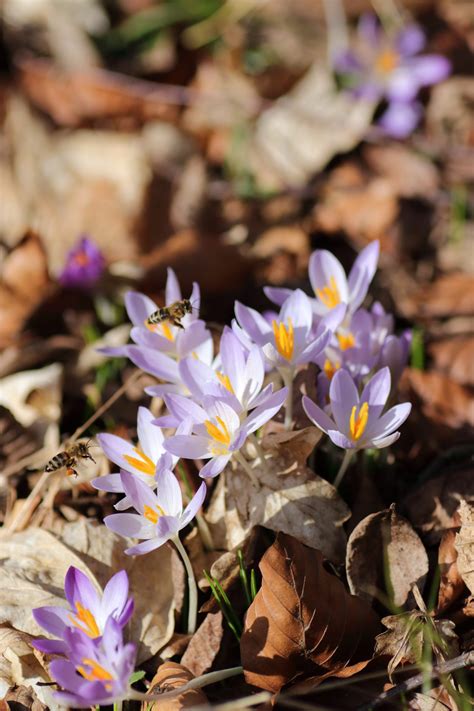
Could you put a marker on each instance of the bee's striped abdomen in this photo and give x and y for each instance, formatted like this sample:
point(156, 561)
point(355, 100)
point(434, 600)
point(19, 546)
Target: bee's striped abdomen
point(158, 316)
point(58, 461)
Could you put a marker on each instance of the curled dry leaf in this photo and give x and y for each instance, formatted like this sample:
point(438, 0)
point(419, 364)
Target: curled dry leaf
point(432, 506)
point(21, 666)
point(204, 645)
point(407, 633)
point(440, 399)
point(451, 585)
point(450, 295)
point(21, 697)
point(169, 676)
point(290, 498)
point(465, 545)
point(303, 621)
point(385, 557)
point(410, 174)
point(33, 565)
point(455, 357)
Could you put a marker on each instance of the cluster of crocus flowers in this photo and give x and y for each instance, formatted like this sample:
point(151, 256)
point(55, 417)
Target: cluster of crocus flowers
point(385, 64)
point(84, 265)
point(95, 663)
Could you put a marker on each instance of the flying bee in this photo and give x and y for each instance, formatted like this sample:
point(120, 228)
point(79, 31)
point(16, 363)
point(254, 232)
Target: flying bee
point(69, 458)
point(172, 313)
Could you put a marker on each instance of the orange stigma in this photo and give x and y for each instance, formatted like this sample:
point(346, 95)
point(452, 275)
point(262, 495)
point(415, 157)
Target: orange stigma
point(96, 672)
point(85, 621)
point(357, 424)
point(329, 294)
point(284, 338)
point(387, 61)
point(346, 340)
point(142, 462)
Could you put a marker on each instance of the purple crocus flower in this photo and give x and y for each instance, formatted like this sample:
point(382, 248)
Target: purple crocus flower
point(287, 341)
point(217, 431)
point(88, 612)
point(84, 266)
point(160, 514)
point(143, 460)
point(358, 422)
point(385, 66)
point(96, 671)
point(330, 284)
point(159, 350)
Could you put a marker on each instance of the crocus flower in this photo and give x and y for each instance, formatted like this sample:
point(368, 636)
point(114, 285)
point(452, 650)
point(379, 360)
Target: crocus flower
point(358, 422)
point(159, 515)
point(158, 349)
point(286, 342)
point(217, 430)
point(386, 65)
point(143, 460)
point(84, 266)
point(88, 612)
point(95, 671)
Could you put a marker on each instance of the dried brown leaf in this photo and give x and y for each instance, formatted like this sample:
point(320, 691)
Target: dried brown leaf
point(450, 295)
point(451, 585)
point(204, 645)
point(290, 498)
point(465, 545)
point(410, 174)
point(455, 357)
point(440, 399)
point(22, 698)
point(432, 506)
point(385, 557)
point(303, 621)
point(169, 676)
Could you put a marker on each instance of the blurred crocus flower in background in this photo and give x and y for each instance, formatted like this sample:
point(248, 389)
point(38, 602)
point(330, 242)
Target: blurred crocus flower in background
point(159, 515)
point(89, 610)
point(357, 422)
point(385, 65)
point(95, 672)
point(331, 286)
point(84, 266)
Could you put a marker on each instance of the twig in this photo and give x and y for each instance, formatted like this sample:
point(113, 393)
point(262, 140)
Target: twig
point(464, 660)
point(337, 35)
point(197, 683)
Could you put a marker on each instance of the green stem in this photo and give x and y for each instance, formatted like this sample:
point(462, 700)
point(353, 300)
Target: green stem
point(197, 683)
point(192, 587)
point(343, 468)
point(239, 457)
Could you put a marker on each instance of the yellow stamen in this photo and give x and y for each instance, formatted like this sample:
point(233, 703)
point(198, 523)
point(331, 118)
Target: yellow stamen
point(329, 294)
point(143, 464)
point(224, 379)
point(167, 332)
point(152, 514)
point(85, 621)
point(284, 338)
point(221, 435)
point(96, 673)
point(330, 368)
point(346, 340)
point(358, 424)
point(81, 259)
point(387, 61)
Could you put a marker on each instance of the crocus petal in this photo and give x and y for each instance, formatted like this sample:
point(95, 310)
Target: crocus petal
point(149, 435)
point(343, 395)
point(129, 525)
point(369, 29)
point(410, 40)
point(109, 482)
point(184, 408)
point(115, 448)
point(362, 273)
point(400, 119)
point(265, 412)
point(172, 290)
point(277, 294)
point(340, 440)
point(78, 587)
point(214, 466)
point(138, 492)
point(165, 529)
point(115, 595)
point(385, 441)
point(188, 447)
point(153, 340)
point(194, 505)
point(311, 352)
point(317, 415)
point(391, 420)
point(52, 619)
point(139, 307)
point(430, 69)
point(50, 646)
point(155, 363)
point(253, 323)
point(403, 85)
point(323, 266)
point(297, 308)
point(168, 494)
point(146, 546)
point(376, 392)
